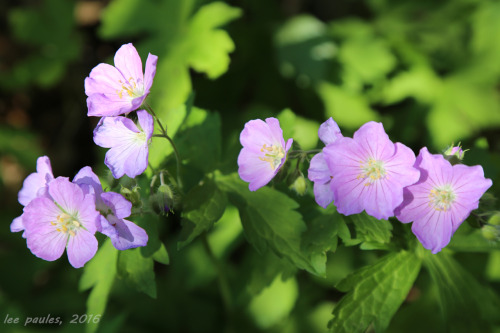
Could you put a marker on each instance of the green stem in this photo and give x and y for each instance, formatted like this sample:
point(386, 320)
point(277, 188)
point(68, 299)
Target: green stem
point(165, 135)
point(223, 283)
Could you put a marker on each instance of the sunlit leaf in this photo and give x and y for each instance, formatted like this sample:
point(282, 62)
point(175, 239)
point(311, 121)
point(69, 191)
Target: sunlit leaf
point(375, 293)
point(137, 270)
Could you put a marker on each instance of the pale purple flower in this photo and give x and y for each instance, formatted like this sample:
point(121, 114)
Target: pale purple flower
point(128, 142)
point(442, 199)
point(113, 91)
point(318, 171)
point(34, 186)
point(264, 152)
point(113, 209)
point(64, 217)
point(369, 172)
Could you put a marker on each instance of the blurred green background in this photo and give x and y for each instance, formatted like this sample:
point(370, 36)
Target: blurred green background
point(429, 70)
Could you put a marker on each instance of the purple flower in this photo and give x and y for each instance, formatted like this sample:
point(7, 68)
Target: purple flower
point(318, 171)
point(114, 208)
point(128, 142)
point(369, 172)
point(34, 185)
point(264, 152)
point(63, 218)
point(113, 91)
point(442, 199)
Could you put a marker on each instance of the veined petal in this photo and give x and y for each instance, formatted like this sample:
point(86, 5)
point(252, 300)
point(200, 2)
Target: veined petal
point(17, 224)
point(89, 183)
point(129, 63)
point(372, 139)
point(146, 122)
point(318, 170)
point(129, 235)
point(120, 206)
point(323, 194)
point(433, 230)
point(81, 248)
point(36, 181)
point(115, 131)
point(253, 170)
point(329, 131)
point(67, 195)
point(150, 72)
point(103, 79)
point(109, 105)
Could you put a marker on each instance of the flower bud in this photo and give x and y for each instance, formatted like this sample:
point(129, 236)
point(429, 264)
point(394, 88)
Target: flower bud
point(299, 185)
point(454, 154)
point(163, 199)
point(133, 195)
point(490, 232)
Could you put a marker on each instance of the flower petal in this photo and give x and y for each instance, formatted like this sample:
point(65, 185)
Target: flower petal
point(129, 235)
point(36, 181)
point(323, 194)
point(120, 206)
point(329, 131)
point(81, 248)
point(149, 72)
point(129, 63)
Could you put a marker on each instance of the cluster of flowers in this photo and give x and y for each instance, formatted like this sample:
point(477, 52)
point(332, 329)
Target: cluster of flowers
point(59, 213)
point(113, 91)
point(370, 173)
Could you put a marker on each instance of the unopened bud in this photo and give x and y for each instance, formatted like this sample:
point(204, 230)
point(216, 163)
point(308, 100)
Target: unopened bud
point(299, 185)
point(133, 195)
point(454, 154)
point(490, 232)
point(164, 199)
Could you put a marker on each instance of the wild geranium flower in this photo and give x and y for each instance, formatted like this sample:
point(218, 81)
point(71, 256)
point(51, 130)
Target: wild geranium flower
point(34, 186)
point(62, 218)
point(113, 208)
point(318, 171)
point(264, 152)
point(113, 91)
point(128, 142)
point(442, 199)
point(369, 172)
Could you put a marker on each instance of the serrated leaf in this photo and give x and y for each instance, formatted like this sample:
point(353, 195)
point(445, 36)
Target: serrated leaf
point(204, 205)
point(269, 220)
point(375, 293)
point(138, 271)
point(372, 232)
point(467, 305)
point(349, 109)
point(99, 274)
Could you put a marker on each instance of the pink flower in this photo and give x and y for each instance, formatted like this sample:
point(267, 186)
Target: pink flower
point(129, 143)
point(442, 199)
point(34, 185)
point(264, 152)
point(369, 172)
point(63, 218)
point(113, 91)
point(318, 171)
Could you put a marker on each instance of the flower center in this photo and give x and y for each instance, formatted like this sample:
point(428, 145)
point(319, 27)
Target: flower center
point(129, 88)
point(66, 224)
point(441, 198)
point(273, 155)
point(372, 170)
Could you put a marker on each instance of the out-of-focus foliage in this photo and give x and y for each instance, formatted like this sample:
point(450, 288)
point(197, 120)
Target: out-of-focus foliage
point(225, 259)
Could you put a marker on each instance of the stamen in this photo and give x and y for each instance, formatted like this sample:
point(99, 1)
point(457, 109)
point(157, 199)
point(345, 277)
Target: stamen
point(66, 224)
point(273, 155)
point(441, 198)
point(372, 170)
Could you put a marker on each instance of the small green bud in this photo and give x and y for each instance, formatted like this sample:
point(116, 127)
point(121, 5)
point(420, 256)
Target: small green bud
point(494, 219)
point(164, 199)
point(299, 185)
point(490, 232)
point(133, 195)
point(454, 154)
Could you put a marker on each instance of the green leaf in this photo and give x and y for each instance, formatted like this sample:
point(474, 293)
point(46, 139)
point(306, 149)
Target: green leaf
point(99, 274)
point(349, 109)
point(137, 270)
point(269, 220)
point(371, 232)
point(467, 305)
point(468, 239)
point(321, 237)
point(161, 255)
point(204, 205)
point(304, 49)
point(375, 293)
point(303, 131)
point(264, 309)
point(199, 140)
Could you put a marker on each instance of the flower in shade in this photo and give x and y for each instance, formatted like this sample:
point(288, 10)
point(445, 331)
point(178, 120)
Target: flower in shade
point(128, 142)
point(113, 91)
point(442, 199)
point(369, 172)
point(318, 171)
point(114, 208)
point(34, 186)
point(264, 152)
point(64, 217)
